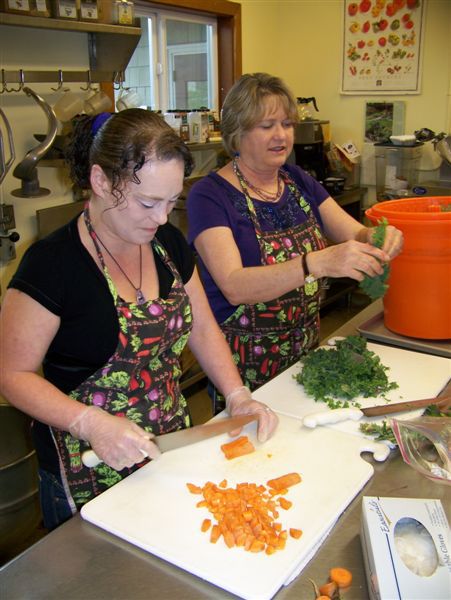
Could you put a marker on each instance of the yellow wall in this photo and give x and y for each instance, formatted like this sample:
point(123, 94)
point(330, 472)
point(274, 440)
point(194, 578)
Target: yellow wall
point(301, 41)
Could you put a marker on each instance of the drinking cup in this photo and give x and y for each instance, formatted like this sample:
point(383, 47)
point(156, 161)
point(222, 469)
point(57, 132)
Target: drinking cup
point(99, 102)
point(128, 99)
point(67, 106)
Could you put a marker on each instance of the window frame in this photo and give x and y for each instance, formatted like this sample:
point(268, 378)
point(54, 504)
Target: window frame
point(228, 15)
point(163, 16)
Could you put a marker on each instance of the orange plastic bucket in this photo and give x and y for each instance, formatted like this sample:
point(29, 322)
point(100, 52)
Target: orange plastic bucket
point(418, 300)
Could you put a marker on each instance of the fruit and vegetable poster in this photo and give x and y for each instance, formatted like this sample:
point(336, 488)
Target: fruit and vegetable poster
point(382, 46)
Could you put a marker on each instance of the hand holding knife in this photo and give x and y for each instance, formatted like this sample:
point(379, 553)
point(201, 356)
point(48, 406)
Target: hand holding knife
point(184, 437)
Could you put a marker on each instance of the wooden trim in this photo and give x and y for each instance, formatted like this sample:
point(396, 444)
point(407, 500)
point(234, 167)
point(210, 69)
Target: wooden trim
point(229, 36)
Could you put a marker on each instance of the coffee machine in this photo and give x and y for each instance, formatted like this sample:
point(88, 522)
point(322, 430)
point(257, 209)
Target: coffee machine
point(309, 143)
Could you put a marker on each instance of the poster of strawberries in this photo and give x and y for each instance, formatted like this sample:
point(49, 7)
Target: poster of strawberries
point(382, 45)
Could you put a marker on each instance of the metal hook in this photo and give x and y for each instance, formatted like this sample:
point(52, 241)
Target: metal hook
point(119, 77)
point(89, 81)
point(21, 82)
point(60, 82)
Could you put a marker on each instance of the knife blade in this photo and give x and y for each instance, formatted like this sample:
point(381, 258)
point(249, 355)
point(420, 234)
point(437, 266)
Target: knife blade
point(184, 437)
point(355, 414)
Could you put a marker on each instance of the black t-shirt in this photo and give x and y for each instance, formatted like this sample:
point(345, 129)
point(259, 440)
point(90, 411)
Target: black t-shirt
point(60, 274)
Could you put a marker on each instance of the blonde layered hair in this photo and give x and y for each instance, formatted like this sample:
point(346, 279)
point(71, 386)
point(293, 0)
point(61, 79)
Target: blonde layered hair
point(246, 104)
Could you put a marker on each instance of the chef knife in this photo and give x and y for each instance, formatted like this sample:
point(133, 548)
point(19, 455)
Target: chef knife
point(355, 414)
point(184, 437)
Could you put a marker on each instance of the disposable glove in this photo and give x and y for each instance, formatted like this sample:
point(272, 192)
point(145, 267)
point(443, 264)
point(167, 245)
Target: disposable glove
point(117, 441)
point(240, 402)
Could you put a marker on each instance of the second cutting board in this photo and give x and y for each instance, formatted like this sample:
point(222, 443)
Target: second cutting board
point(418, 376)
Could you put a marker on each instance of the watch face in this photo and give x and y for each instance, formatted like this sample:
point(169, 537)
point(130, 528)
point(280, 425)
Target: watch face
point(310, 285)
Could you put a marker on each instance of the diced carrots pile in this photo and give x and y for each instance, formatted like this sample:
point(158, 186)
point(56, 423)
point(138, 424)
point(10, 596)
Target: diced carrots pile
point(246, 515)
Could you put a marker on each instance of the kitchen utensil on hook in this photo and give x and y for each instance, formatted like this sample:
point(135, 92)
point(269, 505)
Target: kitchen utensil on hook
point(5, 165)
point(26, 170)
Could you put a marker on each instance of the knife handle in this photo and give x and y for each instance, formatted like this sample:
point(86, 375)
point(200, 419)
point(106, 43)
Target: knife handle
point(91, 460)
point(328, 417)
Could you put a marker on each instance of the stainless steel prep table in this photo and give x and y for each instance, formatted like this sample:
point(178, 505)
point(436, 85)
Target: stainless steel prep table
point(81, 561)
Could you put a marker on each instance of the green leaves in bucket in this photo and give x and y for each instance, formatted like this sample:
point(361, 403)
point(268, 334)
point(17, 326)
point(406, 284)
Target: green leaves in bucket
point(375, 287)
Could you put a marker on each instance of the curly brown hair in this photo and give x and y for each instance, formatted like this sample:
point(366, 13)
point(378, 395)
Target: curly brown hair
point(121, 146)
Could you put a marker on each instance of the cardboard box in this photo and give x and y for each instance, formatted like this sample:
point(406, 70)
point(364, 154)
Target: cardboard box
point(396, 535)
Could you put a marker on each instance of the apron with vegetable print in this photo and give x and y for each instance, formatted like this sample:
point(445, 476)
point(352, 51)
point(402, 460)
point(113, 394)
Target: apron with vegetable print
point(139, 382)
point(268, 337)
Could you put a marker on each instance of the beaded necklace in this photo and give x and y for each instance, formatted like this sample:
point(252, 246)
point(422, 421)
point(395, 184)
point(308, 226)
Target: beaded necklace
point(264, 195)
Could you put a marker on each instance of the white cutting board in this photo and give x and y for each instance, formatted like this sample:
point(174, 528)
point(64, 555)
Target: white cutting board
point(154, 510)
point(418, 375)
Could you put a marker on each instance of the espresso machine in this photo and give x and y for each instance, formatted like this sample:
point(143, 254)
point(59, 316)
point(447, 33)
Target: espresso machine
point(310, 146)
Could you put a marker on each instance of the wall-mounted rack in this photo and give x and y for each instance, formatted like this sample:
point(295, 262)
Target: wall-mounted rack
point(59, 76)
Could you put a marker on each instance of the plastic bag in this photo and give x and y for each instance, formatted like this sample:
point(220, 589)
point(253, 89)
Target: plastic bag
point(425, 445)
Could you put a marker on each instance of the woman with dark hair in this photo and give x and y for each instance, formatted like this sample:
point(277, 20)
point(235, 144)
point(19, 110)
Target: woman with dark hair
point(106, 304)
point(260, 227)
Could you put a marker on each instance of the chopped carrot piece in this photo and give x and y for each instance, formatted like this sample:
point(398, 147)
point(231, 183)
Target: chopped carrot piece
point(295, 533)
point(194, 489)
point(328, 589)
point(257, 546)
point(229, 538)
point(285, 481)
point(285, 504)
point(205, 525)
point(341, 576)
point(215, 534)
point(223, 483)
point(238, 447)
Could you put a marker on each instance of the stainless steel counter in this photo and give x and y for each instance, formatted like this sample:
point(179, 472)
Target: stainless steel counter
point(80, 561)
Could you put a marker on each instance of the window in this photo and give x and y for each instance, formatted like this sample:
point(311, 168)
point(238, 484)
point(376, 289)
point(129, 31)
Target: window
point(174, 65)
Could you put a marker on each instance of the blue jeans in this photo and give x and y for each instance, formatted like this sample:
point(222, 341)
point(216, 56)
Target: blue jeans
point(54, 504)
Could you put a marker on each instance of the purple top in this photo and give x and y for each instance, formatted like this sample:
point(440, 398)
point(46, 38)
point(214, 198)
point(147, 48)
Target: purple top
point(214, 202)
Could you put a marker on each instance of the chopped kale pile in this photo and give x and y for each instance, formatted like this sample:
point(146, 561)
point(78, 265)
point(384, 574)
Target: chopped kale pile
point(375, 287)
point(340, 374)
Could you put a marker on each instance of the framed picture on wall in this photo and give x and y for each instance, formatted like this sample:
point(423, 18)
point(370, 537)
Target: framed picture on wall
point(382, 45)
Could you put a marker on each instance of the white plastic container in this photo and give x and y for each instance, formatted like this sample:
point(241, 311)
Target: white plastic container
point(173, 120)
point(198, 126)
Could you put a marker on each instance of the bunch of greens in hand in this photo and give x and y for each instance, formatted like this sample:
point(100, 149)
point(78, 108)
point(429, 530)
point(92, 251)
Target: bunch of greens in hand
point(338, 375)
point(375, 287)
